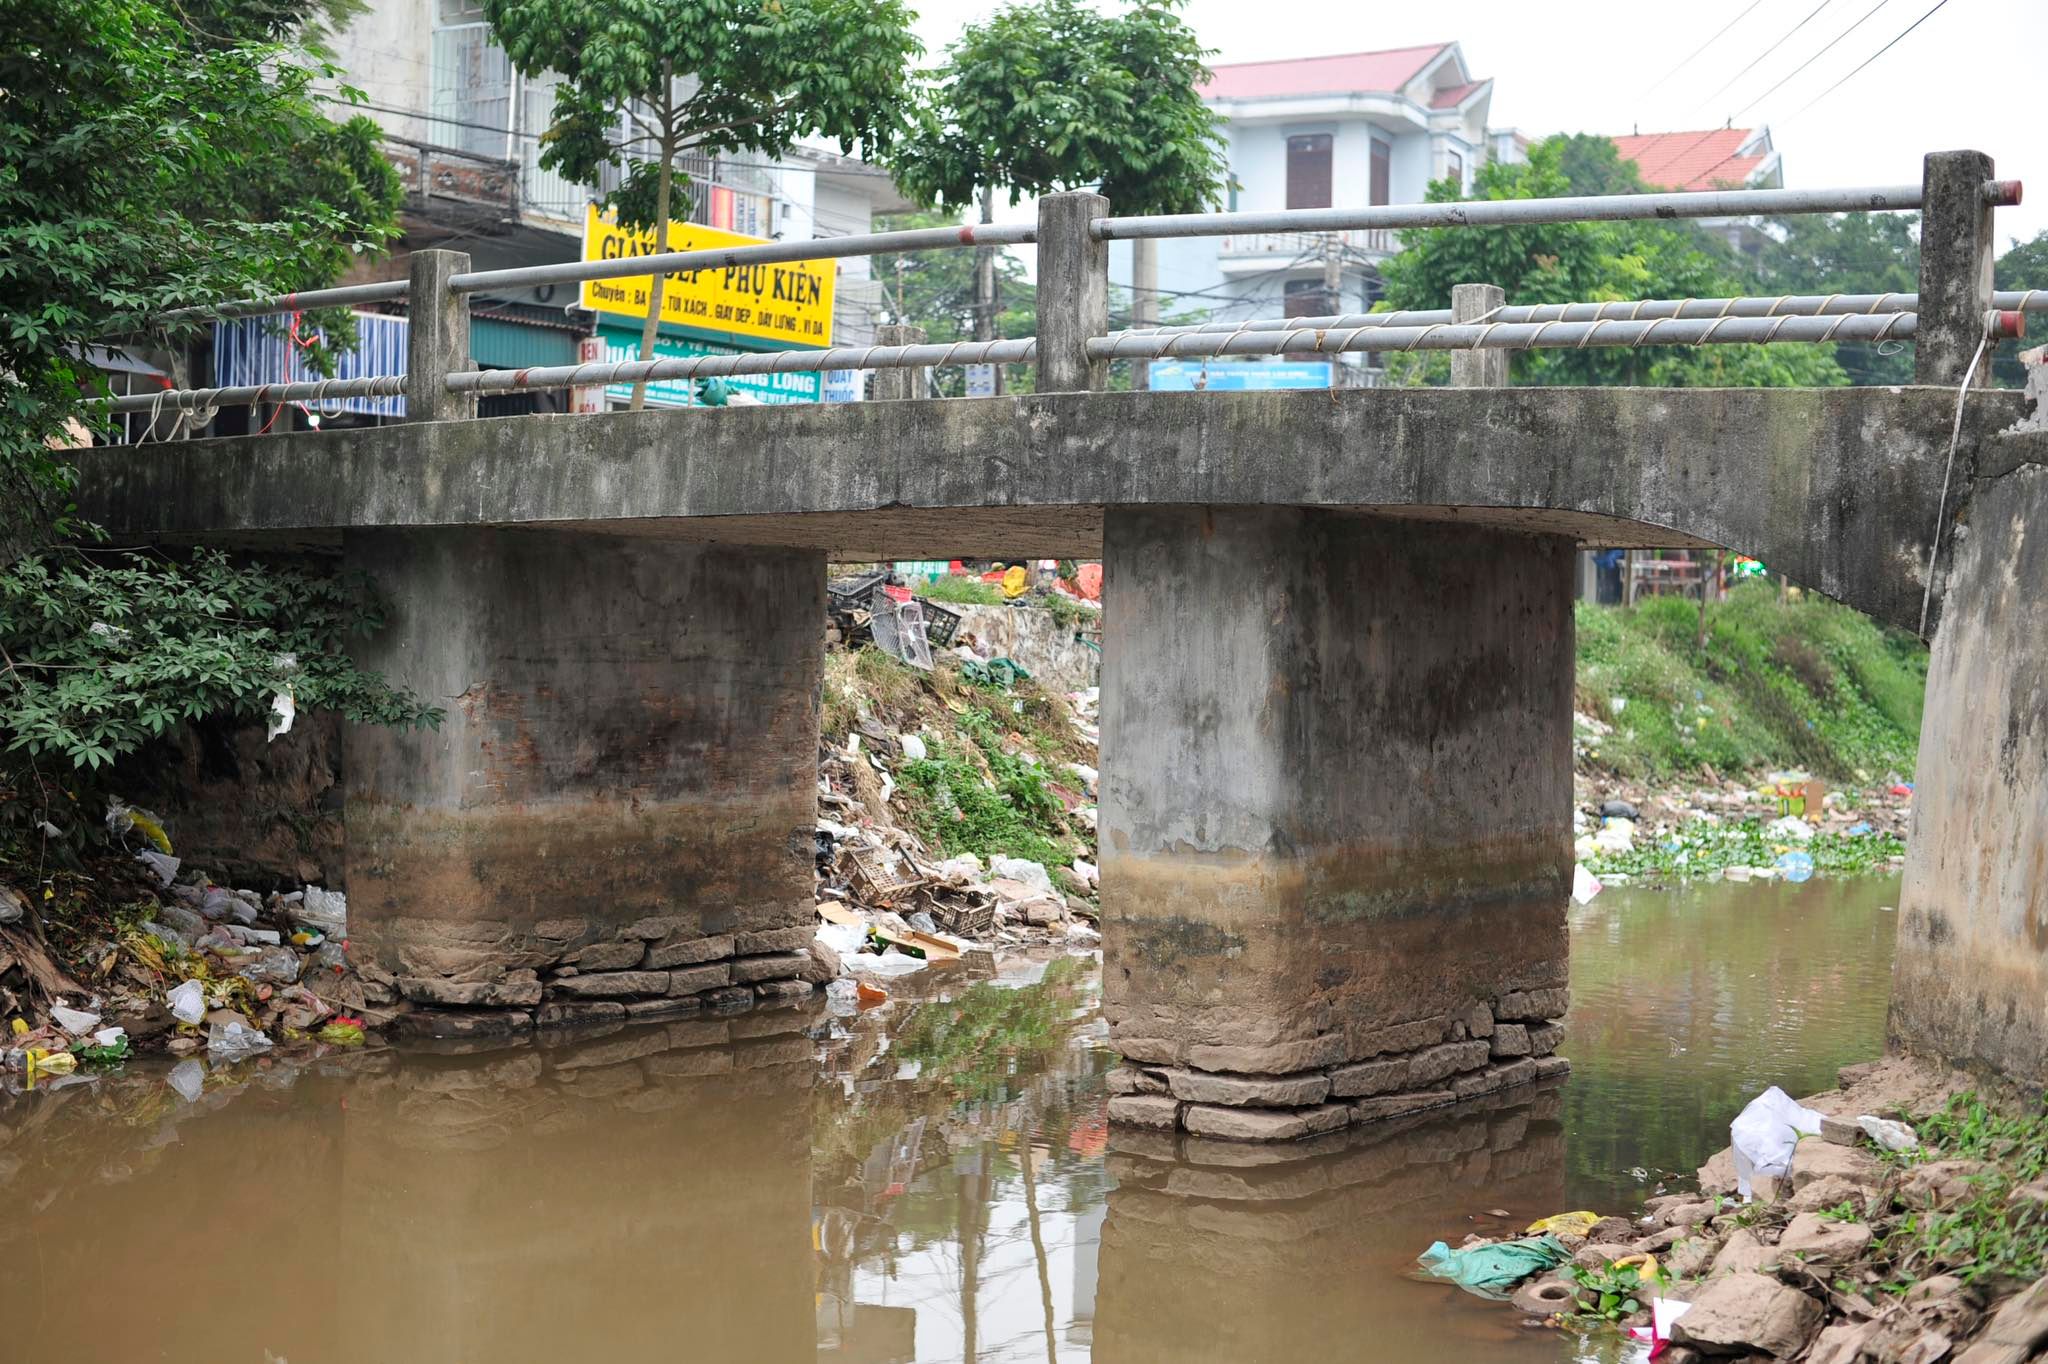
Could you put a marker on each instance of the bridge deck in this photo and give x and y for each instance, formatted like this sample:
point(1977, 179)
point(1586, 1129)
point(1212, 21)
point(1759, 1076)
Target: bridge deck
point(1838, 487)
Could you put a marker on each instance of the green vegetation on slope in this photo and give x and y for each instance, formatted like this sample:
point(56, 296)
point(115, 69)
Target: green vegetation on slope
point(1807, 684)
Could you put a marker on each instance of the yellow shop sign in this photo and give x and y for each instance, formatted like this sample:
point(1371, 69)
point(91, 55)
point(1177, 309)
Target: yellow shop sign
point(788, 301)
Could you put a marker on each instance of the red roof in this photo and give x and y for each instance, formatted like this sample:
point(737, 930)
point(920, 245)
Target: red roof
point(1350, 73)
point(1696, 160)
point(1451, 96)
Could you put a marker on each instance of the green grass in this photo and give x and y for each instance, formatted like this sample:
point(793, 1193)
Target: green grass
point(1805, 684)
point(1989, 1236)
point(958, 589)
point(986, 801)
point(1698, 848)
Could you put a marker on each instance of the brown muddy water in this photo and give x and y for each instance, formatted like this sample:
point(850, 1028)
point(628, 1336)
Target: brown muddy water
point(932, 1180)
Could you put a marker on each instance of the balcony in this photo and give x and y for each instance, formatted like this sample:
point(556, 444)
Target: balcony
point(1272, 250)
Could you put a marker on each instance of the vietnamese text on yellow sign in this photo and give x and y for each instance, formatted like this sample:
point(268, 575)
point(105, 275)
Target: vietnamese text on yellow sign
point(788, 301)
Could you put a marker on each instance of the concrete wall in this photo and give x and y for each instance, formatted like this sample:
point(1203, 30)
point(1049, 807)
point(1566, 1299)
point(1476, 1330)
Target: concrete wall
point(625, 783)
point(1970, 985)
point(1034, 637)
point(1336, 786)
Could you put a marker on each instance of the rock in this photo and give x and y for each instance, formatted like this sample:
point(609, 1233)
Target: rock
point(1545, 1296)
point(1815, 1160)
point(1611, 1231)
point(824, 965)
point(1657, 1242)
point(1840, 1131)
point(456, 1023)
point(1940, 1183)
point(1842, 1343)
point(1817, 1240)
point(608, 956)
point(1741, 1253)
point(1496, 1077)
point(1748, 1312)
point(777, 993)
point(2015, 1332)
point(1687, 1214)
point(1717, 1176)
point(1510, 1039)
point(773, 966)
point(1545, 1038)
point(613, 985)
point(1689, 1258)
point(1398, 1105)
point(1248, 1091)
point(1132, 1080)
point(1596, 1257)
point(1145, 1110)
point(1478, 1020)
point(569, 1014)
point(2035, 1193)
point(1440, 1062)
point(688, 951)
point(1259, 1124)
point(1383, 1076)
point(519, 989)
point(695, 979)
point(763, 941)
point(1552, 1067)
point(1533, 1005)
point(1829, 1191)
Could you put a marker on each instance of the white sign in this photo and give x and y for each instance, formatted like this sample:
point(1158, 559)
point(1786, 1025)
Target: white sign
point(981, 381)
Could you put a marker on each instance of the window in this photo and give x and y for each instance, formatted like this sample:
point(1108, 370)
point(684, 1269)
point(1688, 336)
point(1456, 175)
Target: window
point(1454, 169)
point(1382, 171)
point(472, 90)
point(1308, 171)
point(1307, 298)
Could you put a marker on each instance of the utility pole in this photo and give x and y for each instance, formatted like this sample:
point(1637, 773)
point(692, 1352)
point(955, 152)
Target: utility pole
point(985, 283)
point(1333, 286)
point(902, 314)
point(1144, 300)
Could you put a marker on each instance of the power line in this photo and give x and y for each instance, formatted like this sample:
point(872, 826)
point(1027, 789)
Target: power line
point(1811, 60)
point(1871, 58)
point(1765, 54)
point(1659, 82)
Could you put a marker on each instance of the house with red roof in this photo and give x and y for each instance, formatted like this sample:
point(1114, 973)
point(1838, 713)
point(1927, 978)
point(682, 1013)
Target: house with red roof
point(1329, 131)
point(1712, 158)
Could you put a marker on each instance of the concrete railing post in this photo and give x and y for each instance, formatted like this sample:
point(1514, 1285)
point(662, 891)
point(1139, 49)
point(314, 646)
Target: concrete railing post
point(437, 338)
point(1477, 368)
point(906, 382)
point(1955, 267)
point(1073, 292)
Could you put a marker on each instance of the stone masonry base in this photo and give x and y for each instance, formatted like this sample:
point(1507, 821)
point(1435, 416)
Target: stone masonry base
point(1483, 1050)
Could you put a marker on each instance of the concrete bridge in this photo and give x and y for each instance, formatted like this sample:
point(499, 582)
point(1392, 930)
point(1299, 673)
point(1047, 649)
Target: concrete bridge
point(1336, 801)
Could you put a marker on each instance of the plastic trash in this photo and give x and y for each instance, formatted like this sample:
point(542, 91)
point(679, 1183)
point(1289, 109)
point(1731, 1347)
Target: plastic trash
point(845, 939)
point(1492, 1270)
point(1663, 1311)
point(273, 966)
point(1858, 829)
point(283, 710)
point(13, 908)
point(188, 1078)
point(1619, 809)
point(1584, 884)
point(326, 910)
point(1615, 835)
point(1032, 874)
point(868, 996)
point(232, 1041)
point(1892, 1136)
point(162, 864)
point(890, 963)
point(841, 997)
point(1564, 1224)
point(107, 1037)
point(913, 748)
point(188, 1002)
point(1764, 1135)
point(341, 1031)
point(1789, 826)
point(77, 1022)
point(923, 922)
point(1795, 866)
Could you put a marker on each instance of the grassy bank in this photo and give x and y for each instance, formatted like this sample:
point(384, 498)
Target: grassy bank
point(1800, 684)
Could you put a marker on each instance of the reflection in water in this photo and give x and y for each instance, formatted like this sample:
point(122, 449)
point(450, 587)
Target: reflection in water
point(932, 1180)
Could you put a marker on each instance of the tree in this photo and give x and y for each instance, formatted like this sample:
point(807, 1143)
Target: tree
point(1592, 164)
point(1054, 95)
point(1846, 253)
point(1589, 262)
point(645, 83)
point(2025, 266)
point(149, 161)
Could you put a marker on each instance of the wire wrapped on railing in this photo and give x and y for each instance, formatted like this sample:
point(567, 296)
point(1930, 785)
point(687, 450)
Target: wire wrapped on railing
point(1011, 352)
point(309, 390)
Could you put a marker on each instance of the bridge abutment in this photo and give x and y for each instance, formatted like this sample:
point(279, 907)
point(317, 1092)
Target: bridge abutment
point(617, 813)
point(1335, 825)
point(1970, 984)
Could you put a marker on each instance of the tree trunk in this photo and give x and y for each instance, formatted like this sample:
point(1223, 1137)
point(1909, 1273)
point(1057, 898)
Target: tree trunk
point(985, 277)
point(663, 187)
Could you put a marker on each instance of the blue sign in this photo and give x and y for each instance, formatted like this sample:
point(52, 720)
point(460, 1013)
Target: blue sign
point(1237, 376)
point(622, 344)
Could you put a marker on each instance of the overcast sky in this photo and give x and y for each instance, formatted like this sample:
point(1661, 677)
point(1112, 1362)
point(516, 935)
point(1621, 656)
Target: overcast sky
point(1969, 76)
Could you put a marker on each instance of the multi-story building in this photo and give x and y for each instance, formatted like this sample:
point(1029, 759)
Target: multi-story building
point(464, 130)
point(1328, 132)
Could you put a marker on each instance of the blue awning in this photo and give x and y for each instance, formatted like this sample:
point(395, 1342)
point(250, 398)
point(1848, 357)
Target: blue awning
point(259, 350)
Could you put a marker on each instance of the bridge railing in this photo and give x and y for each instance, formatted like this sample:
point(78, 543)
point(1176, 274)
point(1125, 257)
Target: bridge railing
point(1951, 317)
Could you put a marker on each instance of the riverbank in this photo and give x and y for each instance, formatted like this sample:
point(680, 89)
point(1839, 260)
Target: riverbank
point(1907, 1226)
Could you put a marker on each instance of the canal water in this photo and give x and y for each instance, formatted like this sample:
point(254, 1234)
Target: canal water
point(931, 1180)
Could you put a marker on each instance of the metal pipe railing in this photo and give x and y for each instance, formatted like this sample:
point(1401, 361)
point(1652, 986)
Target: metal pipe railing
point(1513, 336)
point(1737, 203)
point(768, 253)
point(342, 296)
point(1789, 305)
point(307, 390)
point(1021, 350)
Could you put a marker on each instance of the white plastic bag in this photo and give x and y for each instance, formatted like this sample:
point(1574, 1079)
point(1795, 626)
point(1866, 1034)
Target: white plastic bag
point(845, 939)
point(890, 963)
point(1764, 1135)
point(1584, 884)
point(188, 1077)
point(913, 748)
point(188, 1002)
point(1892, 1136)
point(231, 1041)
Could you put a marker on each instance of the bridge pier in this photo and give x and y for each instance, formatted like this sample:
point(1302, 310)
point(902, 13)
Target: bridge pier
point(616, 814)
point(1335, 818)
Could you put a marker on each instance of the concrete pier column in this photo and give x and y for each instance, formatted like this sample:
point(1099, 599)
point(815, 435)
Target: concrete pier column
point(1336, 814)
point(616, 815)
point(1970, 983)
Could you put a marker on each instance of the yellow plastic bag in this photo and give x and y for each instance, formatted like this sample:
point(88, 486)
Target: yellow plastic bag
point(1565, 1224)
point(1015, 581)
